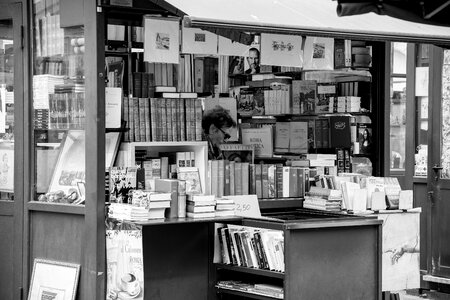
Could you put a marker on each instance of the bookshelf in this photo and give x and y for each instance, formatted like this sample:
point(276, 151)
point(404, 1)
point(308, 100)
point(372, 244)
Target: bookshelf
point(155, 148)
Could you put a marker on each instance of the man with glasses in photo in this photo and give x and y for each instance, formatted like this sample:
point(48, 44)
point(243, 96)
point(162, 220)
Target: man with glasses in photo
point(216, 123)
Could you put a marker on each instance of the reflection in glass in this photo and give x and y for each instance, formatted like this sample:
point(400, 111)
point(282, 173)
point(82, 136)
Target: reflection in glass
point(398, 123)
point(6, 110)
point(445, 118)
point(58, 93)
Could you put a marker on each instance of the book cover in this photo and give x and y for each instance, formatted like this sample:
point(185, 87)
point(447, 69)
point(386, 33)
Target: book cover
point(282, 136)
point(192, 177)
point(304, 93)
point(298, 139)
point(365, 138)
point(113, 107)
point(245, 178)
point(340, 132)
point(271, 177)
point(318, 53)
point(324, 92)
point(260, 138)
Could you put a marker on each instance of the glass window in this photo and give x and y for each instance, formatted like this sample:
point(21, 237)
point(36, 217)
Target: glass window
point(398, 107)
point(445, 131)
point(6, 110)
point(421, 98)
point(58, 104)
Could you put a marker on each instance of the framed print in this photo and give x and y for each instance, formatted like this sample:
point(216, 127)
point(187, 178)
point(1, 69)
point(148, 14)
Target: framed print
point(53, 280)
point(198, 41)
point(70, 167)
point(281, 50)
point(7, 167)
point(161, 40)
point(318, 53)
point(112, 141)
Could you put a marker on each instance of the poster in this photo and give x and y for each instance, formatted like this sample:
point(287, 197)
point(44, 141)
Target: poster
point(231, 48)
point(124, 264)
point(7, 167)
point(161, 40)
point(318, 53)
point(198, 41)
point(281, 50)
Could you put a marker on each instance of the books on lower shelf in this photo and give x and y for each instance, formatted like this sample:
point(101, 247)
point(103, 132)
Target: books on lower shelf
point(251, 247)
point(323, 199)
point(258, 289)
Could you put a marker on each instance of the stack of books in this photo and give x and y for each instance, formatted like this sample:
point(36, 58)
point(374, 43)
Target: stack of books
point(155, 202)
point(128, 212)
point(224, 207)
point(323, 199)
point(200, 206)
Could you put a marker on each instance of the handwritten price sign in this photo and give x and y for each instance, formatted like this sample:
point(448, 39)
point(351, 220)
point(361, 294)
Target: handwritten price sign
point(246, 206)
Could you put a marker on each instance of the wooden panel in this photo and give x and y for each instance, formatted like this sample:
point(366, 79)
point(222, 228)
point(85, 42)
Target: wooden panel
point(6, 257)
point(56, 237)
point(421, 200)
point(176, 261)
point(333, 263)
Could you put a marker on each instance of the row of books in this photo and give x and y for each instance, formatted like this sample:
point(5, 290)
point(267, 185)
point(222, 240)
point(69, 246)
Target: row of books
point(282, 95)
point(169, 118)
point(264, 180)
point(251, 247)
point(66, 111)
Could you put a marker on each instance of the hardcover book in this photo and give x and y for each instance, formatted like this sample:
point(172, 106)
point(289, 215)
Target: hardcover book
point(304, 96)
point(260, 138)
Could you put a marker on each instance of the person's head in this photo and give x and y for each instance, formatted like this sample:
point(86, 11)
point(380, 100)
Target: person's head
point(253, 58)
point(216, 123)
point(366, 134)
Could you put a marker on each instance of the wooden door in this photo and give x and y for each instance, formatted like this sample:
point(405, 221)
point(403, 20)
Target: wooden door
point(439, 164)
point(11, 151)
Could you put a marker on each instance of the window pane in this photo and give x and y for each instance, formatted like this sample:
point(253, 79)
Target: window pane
point(58, 103)
point(399, 58)
point(421, 97)
point(445, 119)
point(398, 123)
point(6, 110)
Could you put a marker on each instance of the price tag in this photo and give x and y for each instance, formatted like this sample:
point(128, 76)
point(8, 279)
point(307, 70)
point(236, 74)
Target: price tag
point(246, 206)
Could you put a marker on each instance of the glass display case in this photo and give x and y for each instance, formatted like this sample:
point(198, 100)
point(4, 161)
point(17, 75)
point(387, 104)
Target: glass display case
point(58, 105)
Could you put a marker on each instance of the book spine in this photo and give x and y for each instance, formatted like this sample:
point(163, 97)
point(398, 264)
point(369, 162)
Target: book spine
point(265, 181)
point(252, 181)
point(163, 122)
point(147, 119)
point(232, 178)
point(245, 178)
point(126, 136)
point(188, 119)
point(175, 124)
point(198, 119)
point(279, 181)
point(137, 135)
point(238, 184)
point(214, 177)
point(169, 123)
point(142, 114)
point(226, 191)
point(192, 119)
point(182, 119)
point(221, 178)
point(181, 199)
point(153, 118)
point(258, 180)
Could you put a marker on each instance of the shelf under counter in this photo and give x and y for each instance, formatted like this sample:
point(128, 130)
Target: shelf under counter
point(245, 294)
point(62, 208)
point(254, 271)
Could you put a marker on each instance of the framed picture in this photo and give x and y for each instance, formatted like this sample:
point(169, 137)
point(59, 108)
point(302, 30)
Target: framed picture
point(53, 280)
point(70, 167)
point(7, 167)
point(112, 141)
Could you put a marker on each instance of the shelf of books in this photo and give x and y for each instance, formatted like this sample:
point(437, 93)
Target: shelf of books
point(58, 105)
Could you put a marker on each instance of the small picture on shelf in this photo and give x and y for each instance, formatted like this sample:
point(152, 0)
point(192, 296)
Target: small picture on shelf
point(365, 139)
point(236, 65)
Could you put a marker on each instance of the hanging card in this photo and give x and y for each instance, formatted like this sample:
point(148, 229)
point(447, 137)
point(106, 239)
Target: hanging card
point(198, 41)
point(281, 50)
point(161, 40)
point(318, 53)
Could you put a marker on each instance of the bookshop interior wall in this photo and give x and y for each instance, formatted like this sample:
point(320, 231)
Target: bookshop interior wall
point(314, 171)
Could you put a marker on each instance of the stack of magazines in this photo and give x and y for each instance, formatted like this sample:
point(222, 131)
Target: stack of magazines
point(323, 199)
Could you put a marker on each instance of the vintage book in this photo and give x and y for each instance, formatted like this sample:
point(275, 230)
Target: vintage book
point(221, 178)
point(169, 185)
point(340, 132)
point(199, 209)
point(142, 117)
point(238, 184)
point(113, 107)
point(271, 180)
point(201, 199)
point(125, 115)
point(258, 180)
point(298, 138)
point(214, 177)
point(192, 177)
point(245, 178)
point(282, 136)
point(192, 215)
point(137, 135)
point(324, 92)
point(137, 84)
point(153, 118)
point(232, 178)
point(265, 181)
point(198, 119)
point(304, 96)
point(260, 138)
point(226, 190)
point(252, 172)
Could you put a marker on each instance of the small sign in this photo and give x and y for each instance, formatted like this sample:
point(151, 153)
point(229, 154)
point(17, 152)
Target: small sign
point(378, 200)
point(246, 206)
point(406, 199)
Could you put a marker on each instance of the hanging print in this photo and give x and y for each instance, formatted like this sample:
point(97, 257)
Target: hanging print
point(161, 40)
point(281, 50)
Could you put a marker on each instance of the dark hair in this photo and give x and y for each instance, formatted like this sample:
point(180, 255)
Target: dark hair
point(217, 116)
point(253, 49)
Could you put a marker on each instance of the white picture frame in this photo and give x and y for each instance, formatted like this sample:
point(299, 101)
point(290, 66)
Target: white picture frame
point(70, 167)
point(161, 40)
point(53, 279)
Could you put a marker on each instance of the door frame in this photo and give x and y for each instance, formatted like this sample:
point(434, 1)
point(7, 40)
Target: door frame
point(15, 208)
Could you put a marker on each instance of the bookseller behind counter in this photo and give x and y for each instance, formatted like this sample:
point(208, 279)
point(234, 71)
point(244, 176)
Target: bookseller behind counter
point(216, 124)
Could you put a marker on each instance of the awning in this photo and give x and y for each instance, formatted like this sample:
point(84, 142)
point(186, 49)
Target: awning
point(305, 17)
point(434, 12)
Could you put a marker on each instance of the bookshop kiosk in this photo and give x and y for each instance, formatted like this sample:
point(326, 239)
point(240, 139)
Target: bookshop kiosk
point(52, 90)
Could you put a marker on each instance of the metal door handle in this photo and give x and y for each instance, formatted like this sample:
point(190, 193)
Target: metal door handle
point(436, 168)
